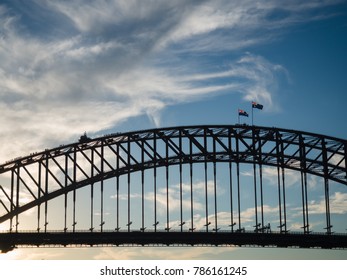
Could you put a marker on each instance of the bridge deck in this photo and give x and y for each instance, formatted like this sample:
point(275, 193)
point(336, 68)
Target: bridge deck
point(9, 241)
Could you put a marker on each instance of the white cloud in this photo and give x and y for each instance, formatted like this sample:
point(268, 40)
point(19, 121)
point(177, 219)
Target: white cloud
point(113, 60)
point(174, 196)
point(338, 204)
point(271, 175)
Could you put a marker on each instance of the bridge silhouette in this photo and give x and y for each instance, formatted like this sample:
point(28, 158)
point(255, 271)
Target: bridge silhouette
point(194, 185)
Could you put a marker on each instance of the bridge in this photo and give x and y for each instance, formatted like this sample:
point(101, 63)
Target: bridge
point(195, 185)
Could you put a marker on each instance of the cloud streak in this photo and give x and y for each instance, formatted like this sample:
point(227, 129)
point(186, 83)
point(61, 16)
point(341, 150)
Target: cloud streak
point(93, 65)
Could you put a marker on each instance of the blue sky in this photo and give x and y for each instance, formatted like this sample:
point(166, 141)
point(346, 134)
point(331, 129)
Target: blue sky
point(106, 66)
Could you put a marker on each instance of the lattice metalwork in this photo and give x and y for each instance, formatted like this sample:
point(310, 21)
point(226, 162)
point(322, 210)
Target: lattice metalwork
point(58, 172)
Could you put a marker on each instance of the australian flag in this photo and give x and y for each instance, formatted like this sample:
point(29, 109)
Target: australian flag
point(257, 105)
point(243, 113)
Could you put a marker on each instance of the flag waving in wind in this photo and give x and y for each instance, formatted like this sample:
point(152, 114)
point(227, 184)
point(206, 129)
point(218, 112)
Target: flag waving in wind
point(257, 105)
point(243, 113)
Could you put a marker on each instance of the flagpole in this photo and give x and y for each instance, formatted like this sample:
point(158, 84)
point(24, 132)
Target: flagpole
point(238, 113)
point(252, 114)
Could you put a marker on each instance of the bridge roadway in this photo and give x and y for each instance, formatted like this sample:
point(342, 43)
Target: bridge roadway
point(10, 240)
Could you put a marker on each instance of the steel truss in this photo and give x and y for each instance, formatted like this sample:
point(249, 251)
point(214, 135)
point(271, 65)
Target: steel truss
point(63, 170)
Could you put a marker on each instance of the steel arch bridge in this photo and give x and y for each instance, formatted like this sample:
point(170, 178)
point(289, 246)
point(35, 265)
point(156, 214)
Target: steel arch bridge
point(211, 185)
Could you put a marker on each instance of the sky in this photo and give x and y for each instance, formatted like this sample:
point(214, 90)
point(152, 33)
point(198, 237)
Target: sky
point(69, 67)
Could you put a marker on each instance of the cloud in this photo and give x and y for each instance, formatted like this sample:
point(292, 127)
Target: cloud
point(338, 204)
point(271, 175)
point(93, 65)
point(232, 25)
point(174, 196)
point(292, 177)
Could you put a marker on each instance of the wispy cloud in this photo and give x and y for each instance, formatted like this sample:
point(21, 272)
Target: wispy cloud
point(93, 65)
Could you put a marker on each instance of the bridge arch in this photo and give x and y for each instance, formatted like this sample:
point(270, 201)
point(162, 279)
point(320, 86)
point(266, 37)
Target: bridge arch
point(56, 172)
